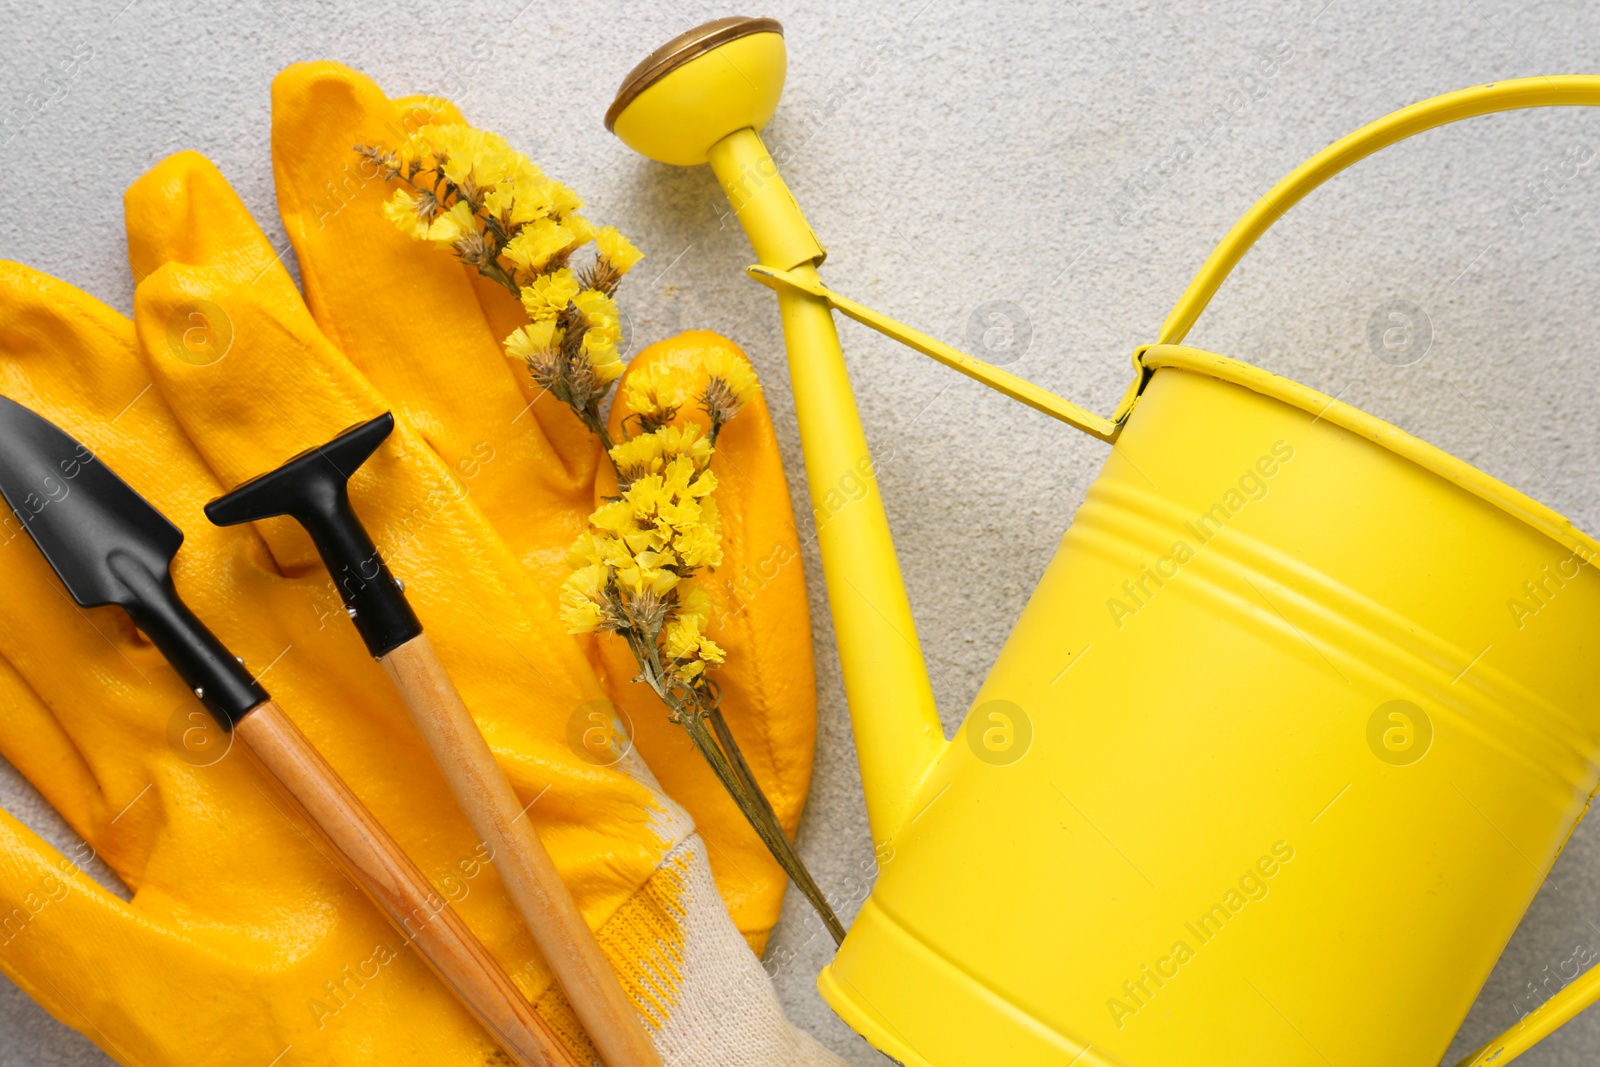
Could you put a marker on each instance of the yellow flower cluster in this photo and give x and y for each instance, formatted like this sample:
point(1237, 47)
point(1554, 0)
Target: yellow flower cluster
point(730, 383)
point(689, 652)
point(472, 193)
point(634, 570)
point(485, 177)
point(419, 216)
point(572, 344)
point(648, 453)
point(665, 520)
point(616, 250)
point(732, 374)
point(548, 295)
point(720, 380)
point(541, 242)
point(631, 568)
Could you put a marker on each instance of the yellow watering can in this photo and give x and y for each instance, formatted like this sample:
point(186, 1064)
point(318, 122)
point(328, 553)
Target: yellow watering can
point(1283, 745)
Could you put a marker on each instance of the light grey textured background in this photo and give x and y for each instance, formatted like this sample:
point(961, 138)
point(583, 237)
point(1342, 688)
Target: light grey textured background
point(1077, 158)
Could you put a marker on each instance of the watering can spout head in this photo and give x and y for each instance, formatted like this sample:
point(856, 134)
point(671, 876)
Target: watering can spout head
point(715, 80)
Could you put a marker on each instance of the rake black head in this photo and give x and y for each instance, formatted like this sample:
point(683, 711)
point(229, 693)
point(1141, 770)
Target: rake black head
point(109, 546)
point(313, 489)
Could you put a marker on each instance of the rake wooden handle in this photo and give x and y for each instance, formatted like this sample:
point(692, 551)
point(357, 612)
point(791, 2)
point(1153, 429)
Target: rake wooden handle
point(397, 886)
point(529, 875)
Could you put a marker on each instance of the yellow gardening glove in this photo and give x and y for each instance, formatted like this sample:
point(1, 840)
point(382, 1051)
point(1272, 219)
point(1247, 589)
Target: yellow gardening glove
point(638, 872)
point(242, 939)
point(427, 334)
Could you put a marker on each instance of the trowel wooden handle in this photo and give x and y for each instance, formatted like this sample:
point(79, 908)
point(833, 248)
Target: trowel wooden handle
point(530, 877)
point(397, 886)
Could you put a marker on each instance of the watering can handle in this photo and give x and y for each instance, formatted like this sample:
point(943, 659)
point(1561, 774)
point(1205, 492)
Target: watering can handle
point(1554, 91)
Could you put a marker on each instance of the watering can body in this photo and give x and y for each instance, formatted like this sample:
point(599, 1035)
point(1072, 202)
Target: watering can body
point(1273, 762)
point(1287, 738)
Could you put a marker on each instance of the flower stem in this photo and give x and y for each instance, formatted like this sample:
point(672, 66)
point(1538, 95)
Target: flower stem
point(770, 832)
point(592, 419)
point(495, 274)
point(760, 811)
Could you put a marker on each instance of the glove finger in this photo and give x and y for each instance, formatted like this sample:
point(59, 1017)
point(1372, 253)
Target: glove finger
point(183, 211)
point(41, 893)
point(185, 193)
point(168, 977)
point(72, 360)
point(761, 616)
point(407, 314)
point(34, 742)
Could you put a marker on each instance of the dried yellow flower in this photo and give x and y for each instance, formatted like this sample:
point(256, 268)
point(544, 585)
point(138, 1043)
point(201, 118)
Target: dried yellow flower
point(700, 545)
point(541, 241)
point(583, 230)
point(655, 393)
point(537, 340)
point(549, 294)
point(600, 314)
point(605, 363)
point(686, 440)
point(638, 580)
point(452, 226)
point(729, 386)
point(687, 649)
point(693, 603)
point(592, 548)
point(519, 201)
point(648, 453)
point(584, 607)
point(411, 213)
point(637, 457)
point(616, 251)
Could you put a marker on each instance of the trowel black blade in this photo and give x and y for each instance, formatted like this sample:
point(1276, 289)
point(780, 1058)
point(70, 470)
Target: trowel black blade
point(80, 514)
point(109, 546)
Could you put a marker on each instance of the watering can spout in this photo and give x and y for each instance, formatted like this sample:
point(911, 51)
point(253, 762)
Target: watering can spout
point(892, 711)
point(700, 98)
point(895, 720)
